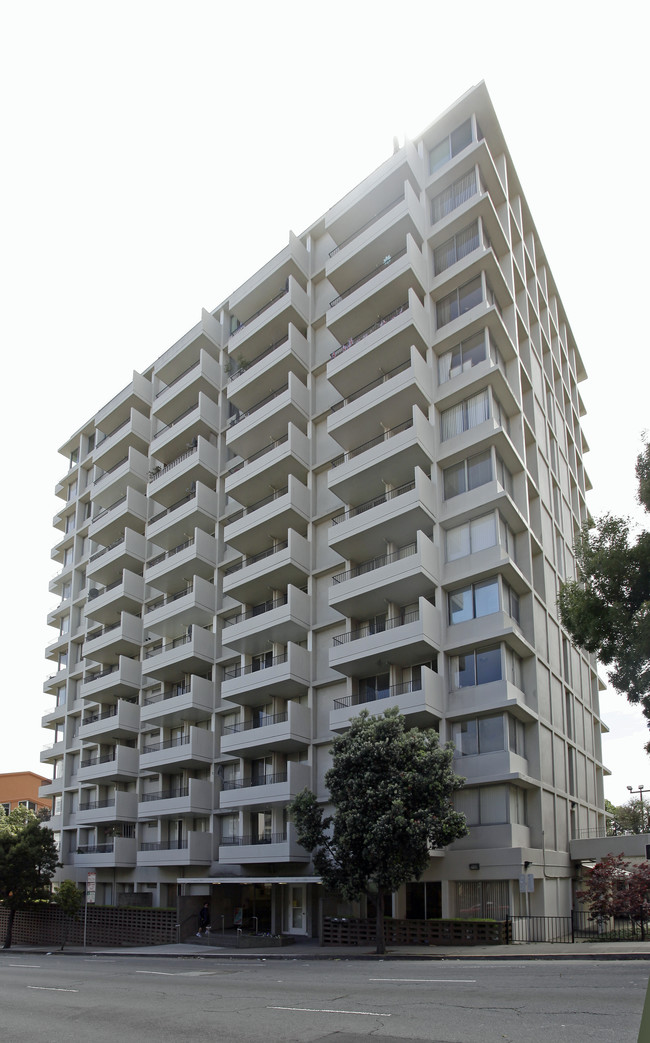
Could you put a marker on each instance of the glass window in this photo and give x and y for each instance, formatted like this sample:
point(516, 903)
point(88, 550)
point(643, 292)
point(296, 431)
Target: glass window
point(466, 738)
point(74, 457)
point(463, 671)
point(479, 470)
point(458, 542)
point(459, 301)
point(486, 597)
point(461, 358)
point(488, 665)
point(464, 416)
point(450, 146)
point(454, 196)
point(72, 490)
point(477, 667)
point(490, 734)
point(483, 532)
point(455, 480)
point(455, 248)
point(461, 605)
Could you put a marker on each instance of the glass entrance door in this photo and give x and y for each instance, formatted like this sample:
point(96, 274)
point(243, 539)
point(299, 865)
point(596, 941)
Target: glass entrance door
point(296, 912)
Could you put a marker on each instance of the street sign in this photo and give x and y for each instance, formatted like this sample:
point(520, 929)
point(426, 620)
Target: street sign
point(526, 883)
point(91, 887)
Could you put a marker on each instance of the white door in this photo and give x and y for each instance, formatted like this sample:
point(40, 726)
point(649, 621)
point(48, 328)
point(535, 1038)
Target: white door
point(296, 914)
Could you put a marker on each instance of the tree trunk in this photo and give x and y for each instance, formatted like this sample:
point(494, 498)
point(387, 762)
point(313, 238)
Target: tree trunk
point(381, 944)
point(10, 927)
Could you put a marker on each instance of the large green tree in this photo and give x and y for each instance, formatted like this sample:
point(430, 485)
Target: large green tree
point(392, 791)
point(28, 859)
point(607, 611)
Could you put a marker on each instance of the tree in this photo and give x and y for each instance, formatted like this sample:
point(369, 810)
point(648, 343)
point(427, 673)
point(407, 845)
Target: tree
point(619, 888)
point(607, 611)
point(392, 790)
point(69, 900)
point(631, 817)
point(28, 858)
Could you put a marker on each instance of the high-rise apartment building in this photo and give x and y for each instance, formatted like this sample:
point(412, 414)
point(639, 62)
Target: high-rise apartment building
point(355, 483)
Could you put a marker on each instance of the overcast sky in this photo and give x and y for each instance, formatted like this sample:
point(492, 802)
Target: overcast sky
point(156, 154)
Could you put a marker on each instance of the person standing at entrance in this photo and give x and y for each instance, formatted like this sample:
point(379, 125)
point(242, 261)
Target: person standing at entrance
point(204, 920)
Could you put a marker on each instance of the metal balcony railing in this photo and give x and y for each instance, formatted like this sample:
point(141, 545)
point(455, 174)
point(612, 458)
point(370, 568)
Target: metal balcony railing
point(360, 392)
point(252, 839)
point(372, 442)
point(167, 744)
point(376, 502)
point(258, 358)
point(258, 405)
point(261, 722)
point(170, 553)
point(377, 628)
point(256, 780)
point(230, 672)
point(260, 311)
point(368, 224)
point(158, 472)
point(95, 805)
point(375, 563)
point(180, 376)
point(256, 506)
point(177, 420)
point(166, 794)
point(164, 845)
point(369, 329)
point(386, 263)
point(245, 562)
point(359, 698)
point(258, 610)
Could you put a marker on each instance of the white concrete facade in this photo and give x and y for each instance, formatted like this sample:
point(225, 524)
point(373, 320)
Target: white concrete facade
point(356, 482)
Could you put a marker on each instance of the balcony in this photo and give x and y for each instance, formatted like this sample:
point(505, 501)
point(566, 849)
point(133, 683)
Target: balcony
point(123, 679)
point(270, 466)
point(121, 807)
point(267, 848)
point(390, 457)
point(181, 383)
point(191, 654)
point(128, 511)
point(276, 788)
point(124, 594)
point(52, 752)
point(192, 750)
point(287, 675)
point(196, 556)
point(113, 445)
point(286, 508)
point(402, 639)
point(129, 471)
point(378, 292)
point(194, 604)
point(118, 853)
point(276, 567)
point(390, 395)
point(193, 798)
point(271, 368)
point(120, 721)
point(401, 577)
point(193, 849)
point(423, 704)
point(119, 765)
point(284, 732)
point(397, 515)
point(197, 509)
point(198, 462)
point(489, 698)
point(280, 620)
point(183, 702)
point(108, 643)
point(501, 765)
point(268, 417)
point(127, 551)
point(180, 425)
point(269, 320)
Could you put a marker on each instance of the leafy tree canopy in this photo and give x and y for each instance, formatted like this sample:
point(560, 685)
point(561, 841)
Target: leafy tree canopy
point(631, 817)
point(392, 791)
point(616, 887)
point(28, 859)
point(608, 610)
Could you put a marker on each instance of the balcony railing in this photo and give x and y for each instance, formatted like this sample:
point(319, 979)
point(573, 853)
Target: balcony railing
point(164, 845)
point(377, 628)
point(102, 437)
point(387, 261)
point(100, 673)
point(95, 849)
point(167, 744)
point(174, 506)
point(166, 794)
point(262, 722)
point(252, 839)
point(255, 558)
point(120, 463)
point(105, 550)
point(260, 452)
point(258, 610)
point(177, 420)
point(376, 502)
point(177, 379)
point(169, 599)
point(95, 805)
point(371, 386)
point(260, 311)
point(256, 780)
point(107, 510)
point(381, 693)
point(370, 329)
point(169, 553)
point(105, 758)
point(258, 405)
point(368, 224)
point(159, 697)
point(100, 716)
point(176, 643)
point(230, 672)
point(158, 472)
point(358, 450)
point(375, 563)
point(255, 506)
point(258, 358)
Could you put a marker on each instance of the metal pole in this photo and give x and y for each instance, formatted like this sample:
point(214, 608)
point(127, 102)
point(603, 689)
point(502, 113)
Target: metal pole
point(85, 919)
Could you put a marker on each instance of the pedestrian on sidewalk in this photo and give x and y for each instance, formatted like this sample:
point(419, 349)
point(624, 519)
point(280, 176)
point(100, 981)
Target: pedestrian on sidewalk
point(204, 920)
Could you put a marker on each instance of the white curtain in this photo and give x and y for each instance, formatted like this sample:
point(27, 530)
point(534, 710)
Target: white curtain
point(452, 422)
point(493, 804)
point(458, 542)
point(484, 532)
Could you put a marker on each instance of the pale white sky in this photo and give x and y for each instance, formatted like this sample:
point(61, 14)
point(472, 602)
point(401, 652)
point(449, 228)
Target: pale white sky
point(156, 154)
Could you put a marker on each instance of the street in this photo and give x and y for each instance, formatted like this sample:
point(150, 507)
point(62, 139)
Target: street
point(97, 999)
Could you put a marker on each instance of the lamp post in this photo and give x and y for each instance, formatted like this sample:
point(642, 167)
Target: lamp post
point(640, 792)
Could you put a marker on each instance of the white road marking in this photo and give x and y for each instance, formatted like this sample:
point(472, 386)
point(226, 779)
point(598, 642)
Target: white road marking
point(32, 966)
point(456, 981)
point(325, 1010)
point(50, 988)
point(167, 974)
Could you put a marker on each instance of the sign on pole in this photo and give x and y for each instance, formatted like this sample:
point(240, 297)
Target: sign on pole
point(91, 887)
point(526, 883)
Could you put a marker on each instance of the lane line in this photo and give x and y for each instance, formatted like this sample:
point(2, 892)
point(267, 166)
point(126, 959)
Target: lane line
point(166, 974)
point(325, 1010)
point(32, 966)
point(455, 981)
point(50, 988)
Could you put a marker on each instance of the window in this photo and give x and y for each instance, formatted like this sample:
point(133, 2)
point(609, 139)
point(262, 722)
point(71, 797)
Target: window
point(6, 807)
point(371, 688)
point(469, 353)
point(454, 249)
point(58, 805)
point(464, 416)
point(64, 625)
point(472, 536)
point(454, 196)
point(450, 146)
point(72, 490)
point(68, 556)
point(69, 523)
point(91, 442)
point(468, 474)
point(482, 898)
point(484, 807)
point(459, 301)
point(66, 590)
point(63, 660)
point(480, 735)
point(482, 599)
point(478, 667)
point(516, 736)
point(74, 458)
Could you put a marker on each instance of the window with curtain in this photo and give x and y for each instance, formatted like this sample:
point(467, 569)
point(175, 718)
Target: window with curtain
point(462, 357)
point(467, 475)
point(450, 146)
point(455, 248)
point(472, 536)
point(482, 898)
point(459, 301)
point(454, 196)
point(464, 416)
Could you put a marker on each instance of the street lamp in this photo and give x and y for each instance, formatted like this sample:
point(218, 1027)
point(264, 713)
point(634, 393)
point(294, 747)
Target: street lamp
point(640, 792)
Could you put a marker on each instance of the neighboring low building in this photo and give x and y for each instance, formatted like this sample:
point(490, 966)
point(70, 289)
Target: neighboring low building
point(22, 788)
point(356, 482)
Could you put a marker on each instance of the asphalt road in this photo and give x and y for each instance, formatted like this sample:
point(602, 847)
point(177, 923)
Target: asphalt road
point(85, 999)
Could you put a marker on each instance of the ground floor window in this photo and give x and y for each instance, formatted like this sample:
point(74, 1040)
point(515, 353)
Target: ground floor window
point(424, 900)
point(482, 899)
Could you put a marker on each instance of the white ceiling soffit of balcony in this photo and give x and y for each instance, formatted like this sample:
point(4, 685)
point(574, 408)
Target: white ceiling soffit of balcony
point(249, 880)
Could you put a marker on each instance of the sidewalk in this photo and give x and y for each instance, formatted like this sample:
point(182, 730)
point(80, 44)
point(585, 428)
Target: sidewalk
point(311, 950)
